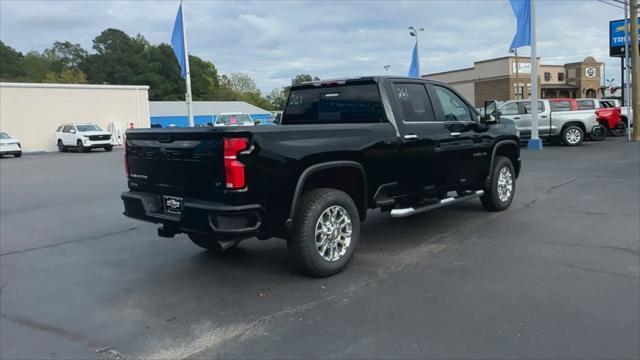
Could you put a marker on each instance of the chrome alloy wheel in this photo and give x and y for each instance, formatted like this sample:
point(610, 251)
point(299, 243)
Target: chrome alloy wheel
point(333, 233)
point(505, 184)
point(573, 136)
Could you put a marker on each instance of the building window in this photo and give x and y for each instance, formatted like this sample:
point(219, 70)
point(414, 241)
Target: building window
point(547, 76)
point(560, 76)
point(518, 90)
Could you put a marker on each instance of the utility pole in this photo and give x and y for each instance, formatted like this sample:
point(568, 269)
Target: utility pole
point(635, 68)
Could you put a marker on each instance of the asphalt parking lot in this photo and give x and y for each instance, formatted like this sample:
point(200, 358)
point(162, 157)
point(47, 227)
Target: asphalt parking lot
point(555, 276)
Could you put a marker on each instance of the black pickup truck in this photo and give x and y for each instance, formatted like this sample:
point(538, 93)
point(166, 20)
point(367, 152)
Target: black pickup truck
point(342, 147)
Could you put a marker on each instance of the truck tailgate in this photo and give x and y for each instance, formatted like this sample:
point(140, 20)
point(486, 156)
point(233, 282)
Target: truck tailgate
point(177, 163)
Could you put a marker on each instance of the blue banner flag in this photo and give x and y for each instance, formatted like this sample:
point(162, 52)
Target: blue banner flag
point(177, 42)
point(522, 12)
point(414, 69)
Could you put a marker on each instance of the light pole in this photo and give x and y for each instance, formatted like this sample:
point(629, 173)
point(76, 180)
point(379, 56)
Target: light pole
point(414, 32)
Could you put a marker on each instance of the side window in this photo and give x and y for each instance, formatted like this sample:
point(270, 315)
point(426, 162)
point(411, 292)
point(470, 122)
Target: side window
point(414, 102)
point(453, 107)
point(586, 104)
point(527, 107)
point(509, 109)
point(66, 129)
point(560, 106)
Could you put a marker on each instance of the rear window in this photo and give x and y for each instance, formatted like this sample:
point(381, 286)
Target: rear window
point(586, 104)
point(560, 106)
point(233, 119)
point(332, 105)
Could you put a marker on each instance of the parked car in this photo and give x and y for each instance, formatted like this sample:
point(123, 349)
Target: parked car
point(234, 119)
point(9, 145)
point(402, 145)
point(82, 137)
point(626, 118)
point(609, 117)
point(556, 121)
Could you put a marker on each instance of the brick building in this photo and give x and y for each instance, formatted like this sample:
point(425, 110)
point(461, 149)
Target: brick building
point(498, 79)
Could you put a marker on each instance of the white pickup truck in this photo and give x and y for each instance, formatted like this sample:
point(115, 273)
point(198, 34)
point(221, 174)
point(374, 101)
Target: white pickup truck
point(568, 127)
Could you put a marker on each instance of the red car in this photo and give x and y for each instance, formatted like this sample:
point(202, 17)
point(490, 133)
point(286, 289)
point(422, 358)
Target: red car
point(609, 117)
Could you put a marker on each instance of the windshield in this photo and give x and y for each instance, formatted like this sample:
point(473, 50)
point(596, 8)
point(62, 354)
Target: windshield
point(4, 135)
point(233, 119)
point(84, 128)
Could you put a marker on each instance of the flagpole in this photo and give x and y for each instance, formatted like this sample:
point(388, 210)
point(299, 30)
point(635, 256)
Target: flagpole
point(534, 142)
point(187, 96)
point(517, 75)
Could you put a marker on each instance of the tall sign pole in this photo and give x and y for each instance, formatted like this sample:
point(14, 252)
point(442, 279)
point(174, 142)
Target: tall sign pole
point(626, 64)
point(535, 143)
point(187, 96)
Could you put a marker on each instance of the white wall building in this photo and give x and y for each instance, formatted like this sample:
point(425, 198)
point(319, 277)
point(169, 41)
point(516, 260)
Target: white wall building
point(32, 112)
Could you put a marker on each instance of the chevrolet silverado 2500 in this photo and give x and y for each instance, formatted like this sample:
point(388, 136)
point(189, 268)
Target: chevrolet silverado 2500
point(342, 147)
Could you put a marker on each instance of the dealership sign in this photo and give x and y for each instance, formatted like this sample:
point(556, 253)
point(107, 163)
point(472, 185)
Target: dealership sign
point(523, 68)
point(616, 37)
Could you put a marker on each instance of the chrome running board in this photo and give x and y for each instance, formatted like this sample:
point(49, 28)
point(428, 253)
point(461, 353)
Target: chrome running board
point(400, 213)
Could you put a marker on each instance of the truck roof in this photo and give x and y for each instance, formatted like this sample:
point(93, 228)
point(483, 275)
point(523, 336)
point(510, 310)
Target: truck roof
point(359, 80)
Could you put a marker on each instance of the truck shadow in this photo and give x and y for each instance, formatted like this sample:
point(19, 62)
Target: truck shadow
point(380, 235)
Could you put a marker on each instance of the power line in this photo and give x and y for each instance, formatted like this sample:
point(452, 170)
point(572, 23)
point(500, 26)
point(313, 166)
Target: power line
point(610, 4)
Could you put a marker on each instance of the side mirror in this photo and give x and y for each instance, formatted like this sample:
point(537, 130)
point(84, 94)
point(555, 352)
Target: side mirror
point(491, 112)
point(277, 119)
point(72, 131)
point(257, 122)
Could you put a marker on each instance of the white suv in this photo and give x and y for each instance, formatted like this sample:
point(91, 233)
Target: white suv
point(82, 137)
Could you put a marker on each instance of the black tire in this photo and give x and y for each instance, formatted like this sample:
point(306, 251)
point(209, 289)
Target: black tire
point(108, 148)
point(491, 199)
point(80, 147)
point(303, 249)
point(18, 154)
point(572, 135)
point(598, 133)
point(61, 147)
point(619, 130)
point(208, 243)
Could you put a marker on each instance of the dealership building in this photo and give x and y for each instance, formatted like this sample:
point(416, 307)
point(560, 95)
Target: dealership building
point(31, 112)
point(509, 78)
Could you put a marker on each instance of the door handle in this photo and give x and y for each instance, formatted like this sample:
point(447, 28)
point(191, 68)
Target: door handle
point(455, 133)
point(411, 137)
point(543, 117)
point(516, 118)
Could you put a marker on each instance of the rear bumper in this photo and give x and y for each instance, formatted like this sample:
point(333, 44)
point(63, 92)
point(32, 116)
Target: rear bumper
point(199, 217)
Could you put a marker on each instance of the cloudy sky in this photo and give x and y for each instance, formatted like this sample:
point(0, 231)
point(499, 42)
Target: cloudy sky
point(274, 40)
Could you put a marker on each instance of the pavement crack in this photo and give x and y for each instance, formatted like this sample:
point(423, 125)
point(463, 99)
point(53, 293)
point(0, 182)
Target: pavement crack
point(633, 252)
point(597, 271)
point(70, 241)
point(551, 189)
point(106, 351)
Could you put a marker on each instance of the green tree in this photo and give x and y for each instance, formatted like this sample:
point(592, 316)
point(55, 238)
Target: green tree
point(277, 98)
point(67, 54)
point(119, 58)
point(301, 78)
point(241, 83)
point(10, 63)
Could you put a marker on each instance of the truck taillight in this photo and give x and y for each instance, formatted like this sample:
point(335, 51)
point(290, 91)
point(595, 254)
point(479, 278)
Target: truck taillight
point(126, 158)
point(234, 169)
